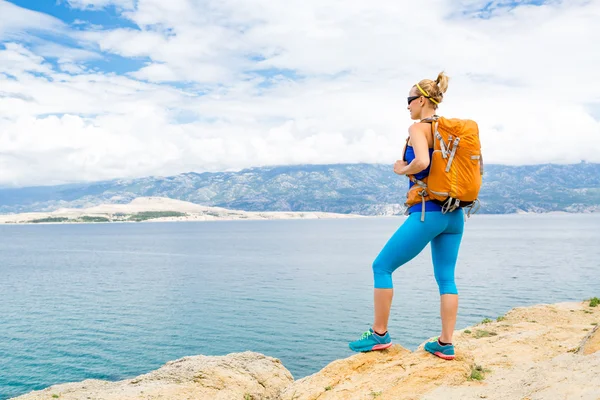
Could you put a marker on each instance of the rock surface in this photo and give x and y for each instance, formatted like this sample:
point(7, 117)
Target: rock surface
point(235, 376)
point(530, 353)
point(591, 343)
point(543, 352)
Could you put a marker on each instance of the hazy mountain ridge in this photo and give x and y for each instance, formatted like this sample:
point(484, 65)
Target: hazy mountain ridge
point(368, 189)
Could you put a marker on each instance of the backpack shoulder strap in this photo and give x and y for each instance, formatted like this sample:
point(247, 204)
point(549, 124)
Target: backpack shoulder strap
point(405, 148)
point(433, 118)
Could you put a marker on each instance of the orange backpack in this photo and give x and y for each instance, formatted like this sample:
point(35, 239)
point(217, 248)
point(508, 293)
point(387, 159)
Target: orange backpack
point(455, 169)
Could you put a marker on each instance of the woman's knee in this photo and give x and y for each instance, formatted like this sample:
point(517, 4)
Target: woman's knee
point(382, 274)
point(380, 266)
point(447, 287)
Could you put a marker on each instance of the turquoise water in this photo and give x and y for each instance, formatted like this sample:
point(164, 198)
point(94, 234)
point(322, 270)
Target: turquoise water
point(112, 301)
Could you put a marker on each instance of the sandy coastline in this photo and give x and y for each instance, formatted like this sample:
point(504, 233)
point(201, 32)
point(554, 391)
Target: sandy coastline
point(156, 209)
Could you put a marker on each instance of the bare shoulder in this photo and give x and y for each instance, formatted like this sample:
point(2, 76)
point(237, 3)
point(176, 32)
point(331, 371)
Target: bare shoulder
point(420, 129)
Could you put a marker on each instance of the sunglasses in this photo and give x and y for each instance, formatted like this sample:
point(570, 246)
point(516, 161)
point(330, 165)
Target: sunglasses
point(411, 98)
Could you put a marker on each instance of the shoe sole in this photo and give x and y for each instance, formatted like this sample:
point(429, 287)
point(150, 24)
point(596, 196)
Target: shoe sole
point(382, 346)
point(443, 356)
point(374, 348)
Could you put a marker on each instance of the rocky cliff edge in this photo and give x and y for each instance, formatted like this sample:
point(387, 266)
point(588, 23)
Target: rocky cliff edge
point(541, 352)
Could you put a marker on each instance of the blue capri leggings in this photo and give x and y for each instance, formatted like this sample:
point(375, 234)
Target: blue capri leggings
point(444, 231)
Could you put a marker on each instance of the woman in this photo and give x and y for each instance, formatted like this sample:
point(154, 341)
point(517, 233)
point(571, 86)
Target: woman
point(442, 229)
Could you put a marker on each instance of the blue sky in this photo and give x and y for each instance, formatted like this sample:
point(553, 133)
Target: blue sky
point(102, 89)
point(487, 10)
point(111, 17)
point(107, 17)
point(81, 19)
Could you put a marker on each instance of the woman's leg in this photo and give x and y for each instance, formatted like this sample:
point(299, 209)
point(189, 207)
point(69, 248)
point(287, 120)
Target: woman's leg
point(448, 311)
point(382, 300)
point(444, 252)
point(408, 241)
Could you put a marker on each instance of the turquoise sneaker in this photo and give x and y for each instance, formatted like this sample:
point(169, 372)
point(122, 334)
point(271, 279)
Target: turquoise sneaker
point(369, 341)
point(446, 352)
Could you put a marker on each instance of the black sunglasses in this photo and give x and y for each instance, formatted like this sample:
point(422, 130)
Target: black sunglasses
point(411, 98)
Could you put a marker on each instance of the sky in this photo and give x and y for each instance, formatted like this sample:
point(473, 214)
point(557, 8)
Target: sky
point(101, 89)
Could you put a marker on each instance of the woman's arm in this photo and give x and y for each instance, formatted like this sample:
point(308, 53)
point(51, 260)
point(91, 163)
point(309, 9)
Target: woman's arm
point(421, 147)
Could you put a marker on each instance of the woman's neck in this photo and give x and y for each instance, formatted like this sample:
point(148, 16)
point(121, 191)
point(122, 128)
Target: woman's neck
point(427, 114)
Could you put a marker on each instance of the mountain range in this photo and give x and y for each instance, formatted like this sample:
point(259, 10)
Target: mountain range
point(366, 189)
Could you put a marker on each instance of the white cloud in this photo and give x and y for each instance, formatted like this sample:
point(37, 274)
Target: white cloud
point(16, 20)
point(99, 4)
point(296, 82)
point(16, 60)
point(71, 68)
point(156, 73)
point(64, 54)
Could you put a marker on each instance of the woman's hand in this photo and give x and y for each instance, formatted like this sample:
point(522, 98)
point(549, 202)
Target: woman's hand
point(400, 166)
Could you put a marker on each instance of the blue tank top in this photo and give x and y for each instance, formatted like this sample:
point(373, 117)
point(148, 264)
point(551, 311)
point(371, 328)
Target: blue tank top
point(429, 205)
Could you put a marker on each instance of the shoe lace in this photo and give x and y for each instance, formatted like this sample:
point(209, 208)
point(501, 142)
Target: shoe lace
point(366, 335)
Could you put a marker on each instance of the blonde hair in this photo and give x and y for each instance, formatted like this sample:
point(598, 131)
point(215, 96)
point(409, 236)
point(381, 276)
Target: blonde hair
point(434, 90)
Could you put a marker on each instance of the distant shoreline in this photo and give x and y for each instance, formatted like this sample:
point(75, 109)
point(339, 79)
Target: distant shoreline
point(156, 209)
point(162, 209)
point(47, 218)
point(192, 219)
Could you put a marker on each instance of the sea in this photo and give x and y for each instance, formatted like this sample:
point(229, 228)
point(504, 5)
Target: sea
point(113, 301)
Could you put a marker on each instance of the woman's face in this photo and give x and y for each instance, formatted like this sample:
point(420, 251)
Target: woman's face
point(415, 103)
